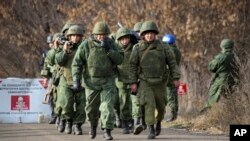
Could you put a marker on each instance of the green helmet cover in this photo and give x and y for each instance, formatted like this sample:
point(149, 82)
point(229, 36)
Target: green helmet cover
point(123, 31)
point(137, 26)
point(75, 30)
point(101, 28)
point(226, 44)
point(56, 35)
point(66, 27)
point(149, 26)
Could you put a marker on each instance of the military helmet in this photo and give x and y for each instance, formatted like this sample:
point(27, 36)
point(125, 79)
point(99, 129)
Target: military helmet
point(149, 26)
point(56, 35)
point(49, 39)
point(168, 38)
point(101, 28)
point(137, 26)
point(76, 30)
point(123, 31)
point(226, 44)
point(66, 27)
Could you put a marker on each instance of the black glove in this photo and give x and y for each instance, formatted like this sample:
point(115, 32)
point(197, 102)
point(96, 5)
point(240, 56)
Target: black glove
point(77, 86)
point(105, 45)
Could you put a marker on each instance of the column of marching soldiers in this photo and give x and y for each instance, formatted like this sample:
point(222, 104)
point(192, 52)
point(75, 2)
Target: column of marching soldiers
point(121, 79)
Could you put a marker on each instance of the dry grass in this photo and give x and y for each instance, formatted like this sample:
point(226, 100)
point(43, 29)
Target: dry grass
point(231, 110)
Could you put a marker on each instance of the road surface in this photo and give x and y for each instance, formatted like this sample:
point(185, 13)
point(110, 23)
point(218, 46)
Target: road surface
point(46, 132)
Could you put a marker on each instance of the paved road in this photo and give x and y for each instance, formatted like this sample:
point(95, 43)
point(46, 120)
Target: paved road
point(45, 132)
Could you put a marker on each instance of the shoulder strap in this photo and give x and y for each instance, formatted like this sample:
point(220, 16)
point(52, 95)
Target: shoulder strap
point(143, 56)
point(163, 50)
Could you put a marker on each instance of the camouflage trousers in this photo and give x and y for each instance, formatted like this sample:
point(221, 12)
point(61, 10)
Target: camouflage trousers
point(72, 104)
point(100, 103)
point(152, 97)
point(172, 98)
point(129, 104)
point(219, 87)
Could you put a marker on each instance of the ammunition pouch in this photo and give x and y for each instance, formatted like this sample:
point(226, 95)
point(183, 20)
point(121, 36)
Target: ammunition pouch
point(46, 73)
point(56, 76)
point(48, 95)
point(56, 79)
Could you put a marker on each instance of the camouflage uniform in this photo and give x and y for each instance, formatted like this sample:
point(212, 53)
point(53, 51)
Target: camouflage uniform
point(137, 28)
point(47, 72)
point(225, 67)
point(98, 59)
point(117, 123)
point(171, 95)
point(148, 63)
point(51, 63)
point(122, 82)
point(72, 102)
point(57, 69)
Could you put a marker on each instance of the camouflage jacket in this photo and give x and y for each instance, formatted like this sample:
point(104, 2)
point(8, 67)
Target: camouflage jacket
point(149, 60)
point(225, 65)
point(98, 64)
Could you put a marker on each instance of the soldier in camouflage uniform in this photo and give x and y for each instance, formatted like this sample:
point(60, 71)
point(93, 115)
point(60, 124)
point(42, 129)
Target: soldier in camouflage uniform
point(225, 67)
point(58, 39)
point(148, 63)
point(47, 73)
point(137, 28)
point(98, 56)
point(72, 101)
point(171, 95)
point(117, 123)
point(124, 40)
point(56, 68)
point(51, 61)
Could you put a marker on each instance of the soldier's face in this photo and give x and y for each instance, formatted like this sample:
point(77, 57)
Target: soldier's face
point(149, 36)
point(100, 37)
point(75, 38)
point(51, 44)
point(125, 40)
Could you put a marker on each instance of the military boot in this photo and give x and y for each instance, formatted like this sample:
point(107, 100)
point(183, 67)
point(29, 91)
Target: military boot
point(151, 134)
point(52, 120)
point(68, 128)
point(158, 128)
point(92, 132)
point(131, 124)
point(144, 125)
point(77, 129)
point(57, 121)
point(117, 120)
point(125, 126)
point(175, 113)
point(61, 126)
point(172, 117)
point(137, 126)
point(107, 134)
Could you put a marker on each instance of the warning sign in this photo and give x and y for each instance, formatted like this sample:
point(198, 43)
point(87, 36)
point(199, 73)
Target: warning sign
point(20, 102)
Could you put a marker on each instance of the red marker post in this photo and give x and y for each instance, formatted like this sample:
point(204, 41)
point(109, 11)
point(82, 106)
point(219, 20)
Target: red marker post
point(182, 88)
